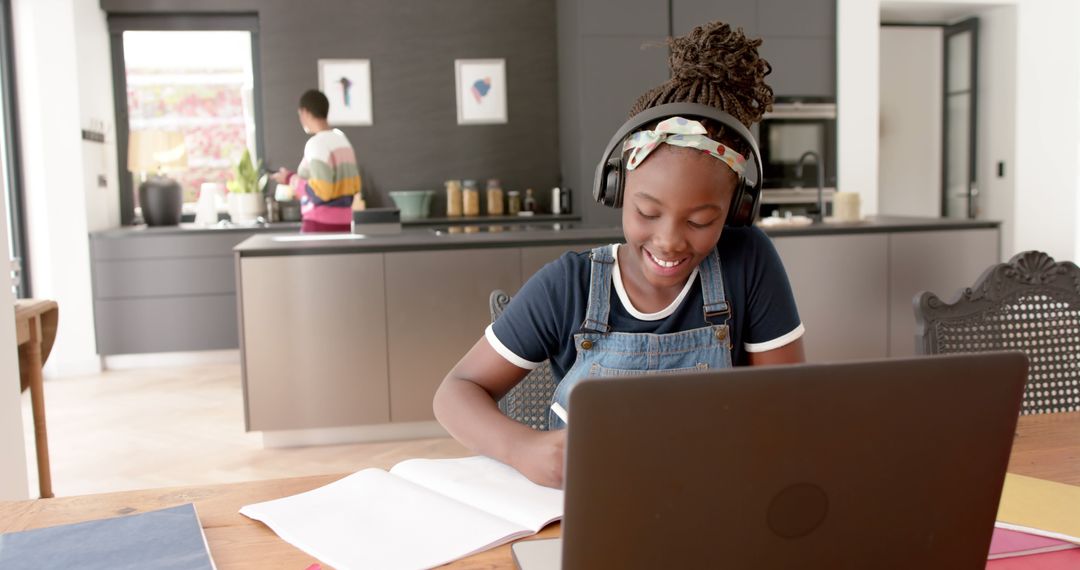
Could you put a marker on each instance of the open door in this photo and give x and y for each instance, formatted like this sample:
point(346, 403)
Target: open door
point(959, 197)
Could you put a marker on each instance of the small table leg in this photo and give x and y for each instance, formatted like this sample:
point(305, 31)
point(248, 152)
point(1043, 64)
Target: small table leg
point(30, 365)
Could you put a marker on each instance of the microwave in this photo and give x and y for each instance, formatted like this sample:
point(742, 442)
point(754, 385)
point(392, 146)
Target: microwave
point(785, 134)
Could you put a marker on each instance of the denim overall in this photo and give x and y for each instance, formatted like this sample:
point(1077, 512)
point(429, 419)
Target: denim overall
point(601, 353)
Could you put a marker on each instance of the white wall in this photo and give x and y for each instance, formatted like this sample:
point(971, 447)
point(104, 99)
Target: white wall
point(1047, 138)
point(64, 85)
point(997, 121)
point(909, 171)
point(13, 481)
point(857, 30)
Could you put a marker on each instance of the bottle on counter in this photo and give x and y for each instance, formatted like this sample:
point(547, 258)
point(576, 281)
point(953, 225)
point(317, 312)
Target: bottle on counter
point(513, 202)
point(556, 201)
point(494, 197)
point(470, 199)
point(529, 204)
point(453, 198)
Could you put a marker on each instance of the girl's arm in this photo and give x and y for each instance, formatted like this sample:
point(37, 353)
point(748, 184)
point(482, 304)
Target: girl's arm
point(790, 353)
point(466, 405)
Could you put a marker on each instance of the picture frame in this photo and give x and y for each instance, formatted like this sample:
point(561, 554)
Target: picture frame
point(347, 84)
point(481, 85)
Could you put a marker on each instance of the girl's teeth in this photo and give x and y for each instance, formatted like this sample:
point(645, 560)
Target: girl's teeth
point(663, 263)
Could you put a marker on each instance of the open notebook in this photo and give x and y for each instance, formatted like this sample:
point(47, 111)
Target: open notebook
point(422, 513)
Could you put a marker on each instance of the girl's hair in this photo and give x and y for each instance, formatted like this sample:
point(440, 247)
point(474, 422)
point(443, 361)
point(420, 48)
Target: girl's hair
point(718, 66)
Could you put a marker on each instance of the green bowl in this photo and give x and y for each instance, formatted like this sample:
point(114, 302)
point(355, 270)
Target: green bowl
point(414, 204)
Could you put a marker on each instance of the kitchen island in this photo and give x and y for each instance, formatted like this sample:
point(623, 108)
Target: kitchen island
point(347, 336)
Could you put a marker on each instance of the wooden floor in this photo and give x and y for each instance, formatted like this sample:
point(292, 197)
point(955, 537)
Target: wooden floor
point(136, 429)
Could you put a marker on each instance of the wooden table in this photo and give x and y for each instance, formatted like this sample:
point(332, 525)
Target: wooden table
point(1047, 446)
point(35, 330)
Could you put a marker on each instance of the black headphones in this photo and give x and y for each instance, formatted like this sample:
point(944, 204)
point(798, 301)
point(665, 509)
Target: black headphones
point(611, 174)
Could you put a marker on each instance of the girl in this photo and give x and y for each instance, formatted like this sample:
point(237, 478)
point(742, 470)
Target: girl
point(683, 293)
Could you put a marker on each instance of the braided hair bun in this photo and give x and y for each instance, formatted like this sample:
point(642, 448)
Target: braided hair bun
point(718, 66)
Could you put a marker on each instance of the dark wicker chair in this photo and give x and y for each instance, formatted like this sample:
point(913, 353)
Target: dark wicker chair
point(1031, 304)
point(527, 402)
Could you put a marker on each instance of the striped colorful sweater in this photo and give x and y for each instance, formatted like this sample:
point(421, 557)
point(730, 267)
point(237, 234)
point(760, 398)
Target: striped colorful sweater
point(327, 178)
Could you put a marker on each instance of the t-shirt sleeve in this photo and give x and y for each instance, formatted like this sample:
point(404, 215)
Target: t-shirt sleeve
point(773, 317)
point(530, 328)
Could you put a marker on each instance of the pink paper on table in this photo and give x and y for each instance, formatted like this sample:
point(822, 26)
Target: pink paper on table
point(1008, 543)
point(1061, 560)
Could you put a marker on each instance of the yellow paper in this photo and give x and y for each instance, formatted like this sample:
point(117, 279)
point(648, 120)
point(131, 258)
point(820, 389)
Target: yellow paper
point(1036, 504)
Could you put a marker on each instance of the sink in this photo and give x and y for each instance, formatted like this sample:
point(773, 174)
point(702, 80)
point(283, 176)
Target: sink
point(318, 237)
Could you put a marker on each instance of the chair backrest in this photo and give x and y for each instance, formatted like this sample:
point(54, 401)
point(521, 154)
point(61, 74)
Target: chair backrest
point(1030, 304)
point(527, 402)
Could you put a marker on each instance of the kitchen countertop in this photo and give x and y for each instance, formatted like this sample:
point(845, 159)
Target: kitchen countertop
point(516, 235)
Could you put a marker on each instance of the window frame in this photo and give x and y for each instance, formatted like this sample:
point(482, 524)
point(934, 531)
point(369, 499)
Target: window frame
point(13, 150)
point(120, 23)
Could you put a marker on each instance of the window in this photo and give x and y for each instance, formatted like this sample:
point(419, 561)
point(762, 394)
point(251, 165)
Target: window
point(191, 79)
point(11, 180)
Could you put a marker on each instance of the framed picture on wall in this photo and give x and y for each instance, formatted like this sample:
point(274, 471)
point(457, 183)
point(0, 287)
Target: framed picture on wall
point(481, 91)
point(347, 84)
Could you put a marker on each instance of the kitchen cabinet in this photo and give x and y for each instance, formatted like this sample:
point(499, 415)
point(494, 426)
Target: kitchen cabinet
point(314, 331)
point(437, 307)
point(841, 286)
point(943, 263)
point(164, 293)
point(799, 38)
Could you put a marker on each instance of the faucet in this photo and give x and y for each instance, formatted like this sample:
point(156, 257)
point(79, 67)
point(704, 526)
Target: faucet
point(820, 214)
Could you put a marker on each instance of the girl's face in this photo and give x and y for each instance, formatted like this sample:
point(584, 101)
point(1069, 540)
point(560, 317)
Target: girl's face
point(674, 209)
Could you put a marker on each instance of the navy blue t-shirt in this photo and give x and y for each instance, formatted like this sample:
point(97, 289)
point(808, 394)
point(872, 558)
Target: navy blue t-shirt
point(541, 320)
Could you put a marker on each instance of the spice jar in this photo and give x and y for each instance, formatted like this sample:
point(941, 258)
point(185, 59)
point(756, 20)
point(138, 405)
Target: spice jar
point(453, 198)
point(470, 199)
point(513, 202)
point(530, 201)
point(494, 198)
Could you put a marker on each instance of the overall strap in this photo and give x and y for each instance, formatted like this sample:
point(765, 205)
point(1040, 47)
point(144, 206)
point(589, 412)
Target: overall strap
point(717, 310)
point(596, 313)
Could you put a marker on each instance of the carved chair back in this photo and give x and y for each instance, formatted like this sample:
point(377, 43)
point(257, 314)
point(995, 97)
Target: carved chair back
point(1030, 304)
point(528, 402)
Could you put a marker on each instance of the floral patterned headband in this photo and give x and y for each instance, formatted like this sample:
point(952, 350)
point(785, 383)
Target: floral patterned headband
point(679, 131)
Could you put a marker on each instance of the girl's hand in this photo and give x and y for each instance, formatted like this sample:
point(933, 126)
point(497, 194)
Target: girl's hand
point(541, 457)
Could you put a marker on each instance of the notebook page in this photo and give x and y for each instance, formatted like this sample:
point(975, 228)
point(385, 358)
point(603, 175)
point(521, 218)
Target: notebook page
point(488, 485)
point(372, 519)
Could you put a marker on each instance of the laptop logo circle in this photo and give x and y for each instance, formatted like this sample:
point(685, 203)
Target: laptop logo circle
point(798, 510)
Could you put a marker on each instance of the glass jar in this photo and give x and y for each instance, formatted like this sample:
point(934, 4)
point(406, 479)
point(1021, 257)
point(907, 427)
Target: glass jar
point(529, 205)
point(513, 202)
point(453, 198)
point(494, 198)
point(470, 199)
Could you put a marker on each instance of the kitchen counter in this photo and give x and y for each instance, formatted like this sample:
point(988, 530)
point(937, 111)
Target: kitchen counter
point(559, 233)
point(399, 310)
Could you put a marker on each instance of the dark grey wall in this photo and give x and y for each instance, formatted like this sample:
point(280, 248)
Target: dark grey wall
point(415, 142)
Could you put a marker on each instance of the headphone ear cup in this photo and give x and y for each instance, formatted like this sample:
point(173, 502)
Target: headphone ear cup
point(612, 191)
point(744, 205)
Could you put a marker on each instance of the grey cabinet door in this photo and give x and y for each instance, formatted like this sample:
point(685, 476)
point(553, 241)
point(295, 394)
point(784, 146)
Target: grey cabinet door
point(142, 325)
point(623, 17)
point(687, 14)
point(534, 258)
point(801, 66)
point(314, 343)
point(840, 288)
point(943, 262)
point(615, 71)
point(797, 18)
point(437, 302)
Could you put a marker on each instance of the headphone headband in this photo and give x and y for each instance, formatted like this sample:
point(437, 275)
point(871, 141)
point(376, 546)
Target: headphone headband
point(687, 110)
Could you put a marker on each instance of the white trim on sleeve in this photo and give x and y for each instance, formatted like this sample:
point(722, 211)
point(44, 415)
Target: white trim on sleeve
point(506, 353)
point(776, 342)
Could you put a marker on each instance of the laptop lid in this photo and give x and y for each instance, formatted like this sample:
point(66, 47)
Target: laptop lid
point(893, 463)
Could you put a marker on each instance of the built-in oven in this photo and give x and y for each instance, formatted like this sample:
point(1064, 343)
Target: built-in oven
point(786, 136)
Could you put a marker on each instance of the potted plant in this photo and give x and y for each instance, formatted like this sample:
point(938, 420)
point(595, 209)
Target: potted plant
point(245, 199)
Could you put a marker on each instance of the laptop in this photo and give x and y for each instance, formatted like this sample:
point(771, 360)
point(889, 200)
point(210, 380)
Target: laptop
point(893, 463)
